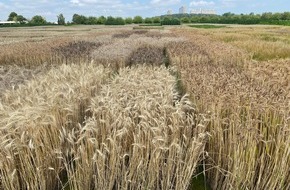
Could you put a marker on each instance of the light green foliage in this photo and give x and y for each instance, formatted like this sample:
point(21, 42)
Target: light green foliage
point(128, 20)
point(148, 20)
point(60, 19)
point(138, 20)
point(38, 20)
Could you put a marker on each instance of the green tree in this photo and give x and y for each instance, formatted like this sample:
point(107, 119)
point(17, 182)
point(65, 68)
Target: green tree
point(91, 20)
point(204, 19)
point(75, 18)
point(195, 19)
point(266, 16)
point(79, 19)
point(114, 21)
point(138, 20)
point(37, 19)
point(285, 16)
point(165, 21)
point(170, 21)
point(148, 20)
point(175, 21)
point(228, 14)
point(276, 16)
point(120, 21)
point(60, 19)
point(129, 20)
point(110, 20)
point(12, 16)
point(21, 19)
point(185, 20)
point(215, 18)
point(101, 20)
point(156, 20)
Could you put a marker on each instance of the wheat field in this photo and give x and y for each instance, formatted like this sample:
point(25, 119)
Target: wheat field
point(248, 102)
point(117, 108)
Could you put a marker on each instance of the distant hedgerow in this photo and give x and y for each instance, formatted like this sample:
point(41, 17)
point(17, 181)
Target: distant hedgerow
point(170, 21)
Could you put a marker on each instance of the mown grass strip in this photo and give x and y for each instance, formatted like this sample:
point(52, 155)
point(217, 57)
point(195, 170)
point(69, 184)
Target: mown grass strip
point(148, 27)
point(205, 26)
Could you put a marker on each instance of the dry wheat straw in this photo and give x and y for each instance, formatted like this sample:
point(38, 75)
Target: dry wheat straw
point(33, 119)
point(249, 108)
point(117, 53)
point(136, 134)
point(138, 137)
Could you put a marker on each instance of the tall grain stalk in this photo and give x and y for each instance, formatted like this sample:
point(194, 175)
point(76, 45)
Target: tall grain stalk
point(136, 134)
point(249, 147)
point(33, 119)
point(30, 54)
point(119, 51)
point(13, 76)
point(34, 54)
point(139, 137)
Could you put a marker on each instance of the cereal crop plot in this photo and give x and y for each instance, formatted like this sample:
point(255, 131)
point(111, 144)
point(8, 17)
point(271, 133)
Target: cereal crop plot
point(26, 47)
point(261, 43)
point(34, 122)
point(78, 50)
point(71, 124)
point(149, 55)
point(82, 125)
point(248, 103)
point(136, 129)
point(13, 76)
point(148, 111)
point(29, 54)
point(118, 52)
point(128, 33)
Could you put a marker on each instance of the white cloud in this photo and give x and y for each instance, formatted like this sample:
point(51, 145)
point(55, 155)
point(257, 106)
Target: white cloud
point(3, 6)
point(163, 3)
point(76, 2)
point(107, 7)
point(95, 2)
point(231, 3)
point(201, 3)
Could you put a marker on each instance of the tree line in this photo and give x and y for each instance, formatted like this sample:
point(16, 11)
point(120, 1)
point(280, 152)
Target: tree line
point(35, 20)
point(176, 19)
point(231, 18)
point(81, 19)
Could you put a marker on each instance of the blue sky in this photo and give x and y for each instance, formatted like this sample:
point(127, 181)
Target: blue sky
point(125, 8)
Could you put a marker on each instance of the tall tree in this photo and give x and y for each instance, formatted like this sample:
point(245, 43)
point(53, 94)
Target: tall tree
point(156, 20)
point(185, 20)
point(37, 19)
point(285, 16)
point(115, 21)
point(101, 20)
point(79, 19)
point(21, 19)
point(91, 20)
point(60, 19)
point(148, 20)
point(120, 21)
point(12, 16)
point(266, 16)
point(137, 20)
point(129, 20)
